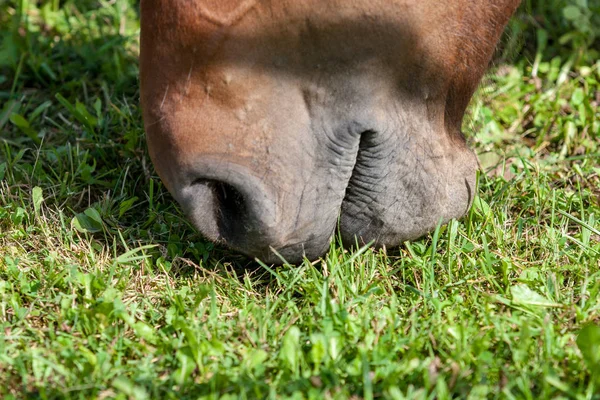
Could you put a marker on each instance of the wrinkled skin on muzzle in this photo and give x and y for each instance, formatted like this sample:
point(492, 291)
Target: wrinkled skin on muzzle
point(274, 122)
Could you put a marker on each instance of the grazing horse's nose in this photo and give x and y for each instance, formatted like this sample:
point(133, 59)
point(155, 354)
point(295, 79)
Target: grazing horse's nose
point(229, 204)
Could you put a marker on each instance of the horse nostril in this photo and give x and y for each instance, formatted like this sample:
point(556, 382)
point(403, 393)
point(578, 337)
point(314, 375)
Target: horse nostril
point(229, 198)
point(229, 206)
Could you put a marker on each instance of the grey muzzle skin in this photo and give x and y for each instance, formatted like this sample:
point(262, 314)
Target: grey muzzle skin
point(380, 187)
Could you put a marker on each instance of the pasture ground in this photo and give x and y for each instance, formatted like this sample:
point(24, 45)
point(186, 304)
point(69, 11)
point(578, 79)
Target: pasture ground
point(107, 292)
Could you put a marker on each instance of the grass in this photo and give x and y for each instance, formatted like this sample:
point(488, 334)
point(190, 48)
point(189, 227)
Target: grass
point(107, 292)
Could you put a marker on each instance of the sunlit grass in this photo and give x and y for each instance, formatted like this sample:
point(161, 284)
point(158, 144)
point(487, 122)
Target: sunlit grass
point(107, 292)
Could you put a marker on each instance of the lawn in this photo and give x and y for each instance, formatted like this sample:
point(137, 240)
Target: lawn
point(106, 291)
